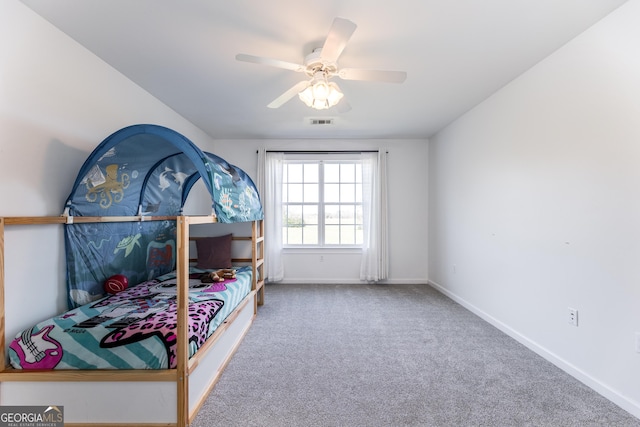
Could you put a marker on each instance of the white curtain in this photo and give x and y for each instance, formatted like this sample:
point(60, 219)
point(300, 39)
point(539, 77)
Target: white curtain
point(270, 184)
point(375, 257)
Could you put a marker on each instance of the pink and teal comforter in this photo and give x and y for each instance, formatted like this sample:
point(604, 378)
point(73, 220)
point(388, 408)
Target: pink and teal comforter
point(133, 329)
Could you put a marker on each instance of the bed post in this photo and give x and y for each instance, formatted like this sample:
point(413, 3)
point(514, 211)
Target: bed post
point(182, 267)
point(257, 259)
point(2, 312)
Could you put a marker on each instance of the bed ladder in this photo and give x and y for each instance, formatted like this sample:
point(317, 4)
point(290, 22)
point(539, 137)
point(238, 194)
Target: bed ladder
point(257, 259)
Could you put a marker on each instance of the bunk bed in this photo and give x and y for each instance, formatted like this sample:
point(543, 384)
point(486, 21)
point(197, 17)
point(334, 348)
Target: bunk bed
point(124, 221)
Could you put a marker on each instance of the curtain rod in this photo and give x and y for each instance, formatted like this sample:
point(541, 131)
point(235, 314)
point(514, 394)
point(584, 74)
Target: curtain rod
point(323, 152)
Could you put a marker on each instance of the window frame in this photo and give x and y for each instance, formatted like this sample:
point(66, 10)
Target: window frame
point(322, 159)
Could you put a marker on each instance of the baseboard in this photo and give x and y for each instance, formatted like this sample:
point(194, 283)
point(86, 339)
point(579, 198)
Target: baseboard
point(352, 281)
point(625, 403)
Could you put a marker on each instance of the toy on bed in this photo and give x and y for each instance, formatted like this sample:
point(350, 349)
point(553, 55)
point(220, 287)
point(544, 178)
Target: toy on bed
point(116, 283)
point(218, 275)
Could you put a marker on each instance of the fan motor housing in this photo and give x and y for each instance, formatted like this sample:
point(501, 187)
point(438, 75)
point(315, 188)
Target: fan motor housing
point(314, 63)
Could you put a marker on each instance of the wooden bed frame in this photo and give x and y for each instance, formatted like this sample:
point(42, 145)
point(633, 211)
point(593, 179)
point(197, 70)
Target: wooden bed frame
point(150, 398)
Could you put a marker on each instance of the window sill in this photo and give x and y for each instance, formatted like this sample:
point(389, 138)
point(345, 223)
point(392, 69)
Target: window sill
point(322, 250)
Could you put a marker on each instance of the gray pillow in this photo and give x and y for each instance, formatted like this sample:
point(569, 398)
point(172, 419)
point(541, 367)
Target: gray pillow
point(214, 252)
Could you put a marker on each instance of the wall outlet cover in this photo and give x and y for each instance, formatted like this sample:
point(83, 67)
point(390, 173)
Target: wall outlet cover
point(572, 316)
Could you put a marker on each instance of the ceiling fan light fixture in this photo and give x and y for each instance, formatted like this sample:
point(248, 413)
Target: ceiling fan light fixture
point(306, 96)
point(320, 104)
point(335, 95)
point(321, 94)
point(320, 90)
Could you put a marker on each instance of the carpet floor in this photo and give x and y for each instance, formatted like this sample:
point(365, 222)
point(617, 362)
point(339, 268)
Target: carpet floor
point(391, 355)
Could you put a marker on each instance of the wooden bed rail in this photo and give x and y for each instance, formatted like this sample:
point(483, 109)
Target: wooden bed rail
point(257, 260)
point(38, 220)
point(62, 219)
point(3, 361)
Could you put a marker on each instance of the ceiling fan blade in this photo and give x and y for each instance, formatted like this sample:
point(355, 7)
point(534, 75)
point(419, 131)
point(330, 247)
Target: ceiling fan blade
point(299, 87)
point(372, 75)
point(337, 39)
point(269, 61)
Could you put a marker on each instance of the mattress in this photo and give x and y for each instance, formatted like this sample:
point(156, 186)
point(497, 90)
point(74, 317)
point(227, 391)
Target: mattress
point(132, 329)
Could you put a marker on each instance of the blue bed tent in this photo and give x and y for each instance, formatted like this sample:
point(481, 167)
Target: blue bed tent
point(143, 170)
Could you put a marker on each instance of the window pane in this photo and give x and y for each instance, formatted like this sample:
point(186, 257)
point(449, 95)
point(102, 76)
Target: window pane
point(310, 235)
point(332, 193)
point(359, 172)
point(347, 172)
point(332, 234)
point(310, 215)
point(347, 193)
point(332, 214)
point(359, 193)
point(331, 172)
point(347, 214)
point(311, 194)
point(295, 193)
point(294, 216)
point(347, 234)
point(359, 235)
point(295, 172)
point(311, 172)
point(295, 235)
point(359, 219)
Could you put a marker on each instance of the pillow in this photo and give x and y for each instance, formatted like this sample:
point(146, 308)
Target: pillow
point(214, 252)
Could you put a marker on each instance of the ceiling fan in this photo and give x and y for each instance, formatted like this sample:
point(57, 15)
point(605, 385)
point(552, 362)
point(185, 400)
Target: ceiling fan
point(317, 91)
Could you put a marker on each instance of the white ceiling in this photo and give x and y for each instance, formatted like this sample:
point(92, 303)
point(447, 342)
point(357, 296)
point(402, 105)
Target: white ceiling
point(456, 53)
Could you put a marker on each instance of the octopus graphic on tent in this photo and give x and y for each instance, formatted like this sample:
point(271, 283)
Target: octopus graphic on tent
point(143, 170)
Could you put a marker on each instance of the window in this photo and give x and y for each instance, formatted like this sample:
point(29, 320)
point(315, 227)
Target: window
point(288, 217)
point(322, 200)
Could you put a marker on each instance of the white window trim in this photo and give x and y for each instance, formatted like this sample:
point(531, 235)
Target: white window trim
point(315, 158)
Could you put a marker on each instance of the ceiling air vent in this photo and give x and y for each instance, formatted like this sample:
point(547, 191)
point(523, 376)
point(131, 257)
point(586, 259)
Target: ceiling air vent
point(318, 122)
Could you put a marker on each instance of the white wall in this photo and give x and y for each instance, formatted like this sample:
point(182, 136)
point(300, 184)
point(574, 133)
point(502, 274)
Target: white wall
point(58, 101)
point(407, 170)
point(534, 207)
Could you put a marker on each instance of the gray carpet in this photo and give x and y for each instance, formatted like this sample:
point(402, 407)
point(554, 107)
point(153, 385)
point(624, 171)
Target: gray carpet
point(391, 355)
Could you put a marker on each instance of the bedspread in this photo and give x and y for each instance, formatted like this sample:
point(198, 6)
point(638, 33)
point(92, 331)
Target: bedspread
point(133, 329)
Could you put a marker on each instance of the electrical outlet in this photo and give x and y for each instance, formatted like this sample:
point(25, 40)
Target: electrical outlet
point(572, 316)
point(321, 258)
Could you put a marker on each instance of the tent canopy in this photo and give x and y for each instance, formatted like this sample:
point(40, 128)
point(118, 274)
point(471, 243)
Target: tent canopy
point(143, 170)
point(150, 169)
